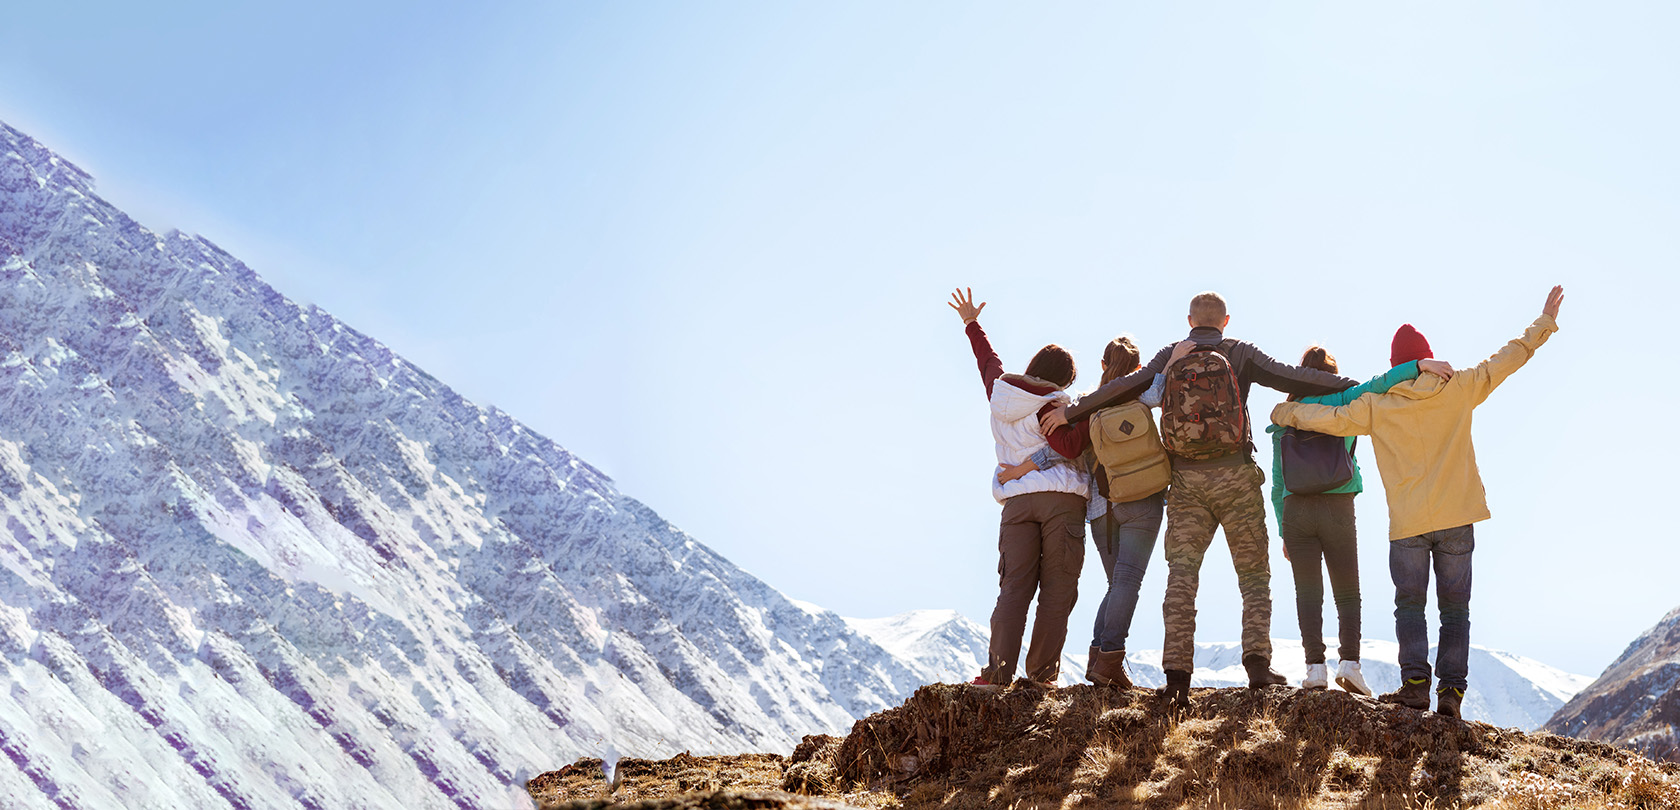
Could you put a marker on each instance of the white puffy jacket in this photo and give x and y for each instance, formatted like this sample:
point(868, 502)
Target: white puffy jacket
point(1016, 432)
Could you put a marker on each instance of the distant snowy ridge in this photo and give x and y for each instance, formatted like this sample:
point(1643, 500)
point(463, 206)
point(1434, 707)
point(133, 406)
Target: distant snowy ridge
point(1506, 690)
point(943, 646)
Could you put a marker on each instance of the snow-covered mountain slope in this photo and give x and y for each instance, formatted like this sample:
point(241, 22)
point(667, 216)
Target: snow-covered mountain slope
point(1636, 702)
point(255, 559)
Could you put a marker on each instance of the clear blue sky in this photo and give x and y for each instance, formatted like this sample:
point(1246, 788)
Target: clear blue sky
point(707, 246)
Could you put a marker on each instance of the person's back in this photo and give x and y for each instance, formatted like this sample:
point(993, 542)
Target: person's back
point(1015, 402)
point(1421, 433)
point(1215, 482)
point(1041, 535)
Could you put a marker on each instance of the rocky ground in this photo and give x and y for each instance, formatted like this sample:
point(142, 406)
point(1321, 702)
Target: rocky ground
point(957, 746)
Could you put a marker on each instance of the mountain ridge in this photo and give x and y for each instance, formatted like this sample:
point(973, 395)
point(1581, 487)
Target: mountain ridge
point(1636, 701)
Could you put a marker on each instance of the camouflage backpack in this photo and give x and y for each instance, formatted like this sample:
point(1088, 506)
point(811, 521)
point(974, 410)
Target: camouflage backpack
point(1202, 413)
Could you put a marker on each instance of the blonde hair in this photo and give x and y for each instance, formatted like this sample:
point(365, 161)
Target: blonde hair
point(1208, 309)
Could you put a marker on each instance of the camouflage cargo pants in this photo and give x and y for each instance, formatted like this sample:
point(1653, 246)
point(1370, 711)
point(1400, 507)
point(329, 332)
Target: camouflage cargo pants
point(1200, 502)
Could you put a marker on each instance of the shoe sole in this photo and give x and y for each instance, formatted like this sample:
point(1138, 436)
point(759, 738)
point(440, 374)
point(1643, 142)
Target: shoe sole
point(1108, 682)
point(1423, 708)
point(1352, 687)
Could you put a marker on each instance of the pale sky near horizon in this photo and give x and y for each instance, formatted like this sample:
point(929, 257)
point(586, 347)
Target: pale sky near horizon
point(707, 246)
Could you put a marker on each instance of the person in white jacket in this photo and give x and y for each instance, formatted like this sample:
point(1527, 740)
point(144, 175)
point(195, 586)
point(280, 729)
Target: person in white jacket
point(1041, 542)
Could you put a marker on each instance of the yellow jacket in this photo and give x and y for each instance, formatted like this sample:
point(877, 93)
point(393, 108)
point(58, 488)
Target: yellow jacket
point(1421, 433)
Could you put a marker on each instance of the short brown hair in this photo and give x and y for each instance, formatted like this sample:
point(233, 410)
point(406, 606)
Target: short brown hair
point(1053, 364)
point(1207, 309)
point(1120, 358)
point(1319, 358)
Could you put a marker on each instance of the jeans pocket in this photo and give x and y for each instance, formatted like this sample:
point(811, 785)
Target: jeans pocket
point(1461, 540)
point(1415, 541)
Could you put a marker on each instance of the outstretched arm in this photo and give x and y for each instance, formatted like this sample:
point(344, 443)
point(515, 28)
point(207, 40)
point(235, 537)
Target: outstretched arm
point(1352, 419)
point(1382, 382)
point(1307, 382)
point(1121, 389)
point(991, 367)
point(1493, 371)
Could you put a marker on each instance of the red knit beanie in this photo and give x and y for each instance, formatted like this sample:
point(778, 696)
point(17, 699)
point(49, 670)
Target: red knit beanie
point(1409, 345)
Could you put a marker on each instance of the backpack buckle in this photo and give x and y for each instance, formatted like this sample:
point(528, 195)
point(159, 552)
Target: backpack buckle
point(1193, 417)
point(1191, 376)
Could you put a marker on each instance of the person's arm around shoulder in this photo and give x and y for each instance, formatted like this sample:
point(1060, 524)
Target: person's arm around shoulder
point(1493, 371)
point(991, 366)
point(1298, 380)
point(1352, 419)
point(1045, 458)
point(1135, 385)
point(1386, 380)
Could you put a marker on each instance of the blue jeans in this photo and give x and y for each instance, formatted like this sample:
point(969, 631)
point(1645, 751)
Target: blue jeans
point(1125, 538)
point(1409, 561)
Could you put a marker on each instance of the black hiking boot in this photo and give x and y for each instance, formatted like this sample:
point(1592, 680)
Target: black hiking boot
point(1260, 672)
point(1413, 694)
point(1177, 690)
point(1108, 669)
point(1447, 702)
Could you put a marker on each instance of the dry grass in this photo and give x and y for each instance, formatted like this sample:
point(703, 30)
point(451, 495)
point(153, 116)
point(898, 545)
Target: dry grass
point(956, 748)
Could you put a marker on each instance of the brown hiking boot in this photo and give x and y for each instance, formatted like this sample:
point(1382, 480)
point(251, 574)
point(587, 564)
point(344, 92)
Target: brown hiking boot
point(1447, 702)
point(1109, 669)
point(1177, 690)
point(1260, 672)
point(1413, 694)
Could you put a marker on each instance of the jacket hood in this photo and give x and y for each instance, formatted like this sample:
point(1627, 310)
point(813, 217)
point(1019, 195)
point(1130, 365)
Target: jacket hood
point(1017, 396)
point(1424, 387)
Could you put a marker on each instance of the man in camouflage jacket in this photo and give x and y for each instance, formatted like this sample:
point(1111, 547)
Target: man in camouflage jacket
point(1209, 494)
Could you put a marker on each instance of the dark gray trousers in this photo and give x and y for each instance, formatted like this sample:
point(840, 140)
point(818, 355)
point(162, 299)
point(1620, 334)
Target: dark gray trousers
point(1318, 531)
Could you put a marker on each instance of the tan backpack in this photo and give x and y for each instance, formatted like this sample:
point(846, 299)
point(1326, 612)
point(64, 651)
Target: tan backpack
point(1130, 452)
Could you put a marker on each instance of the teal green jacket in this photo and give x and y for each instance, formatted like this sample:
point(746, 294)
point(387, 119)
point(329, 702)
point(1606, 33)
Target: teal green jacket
point(1376, 385)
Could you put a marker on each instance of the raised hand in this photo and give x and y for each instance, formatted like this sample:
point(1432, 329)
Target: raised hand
point(965, 307)
point(1439, 368)
point(1553, 301)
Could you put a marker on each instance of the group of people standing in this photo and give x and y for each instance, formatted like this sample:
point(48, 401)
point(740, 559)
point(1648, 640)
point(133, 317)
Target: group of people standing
point(1101, 459)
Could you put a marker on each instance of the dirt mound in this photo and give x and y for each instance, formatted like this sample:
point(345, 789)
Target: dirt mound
point(720, 800)
point(657, 779)
point(958, 746)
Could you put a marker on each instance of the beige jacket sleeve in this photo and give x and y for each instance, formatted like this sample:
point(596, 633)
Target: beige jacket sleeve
point(1487, 376)
point(1352, 419)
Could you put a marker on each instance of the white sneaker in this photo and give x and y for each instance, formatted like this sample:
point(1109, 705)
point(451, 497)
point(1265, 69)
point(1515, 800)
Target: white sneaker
point(1348, 677)
point(1317, 678)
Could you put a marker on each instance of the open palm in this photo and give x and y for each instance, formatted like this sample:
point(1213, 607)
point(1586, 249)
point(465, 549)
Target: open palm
point(965, 306)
